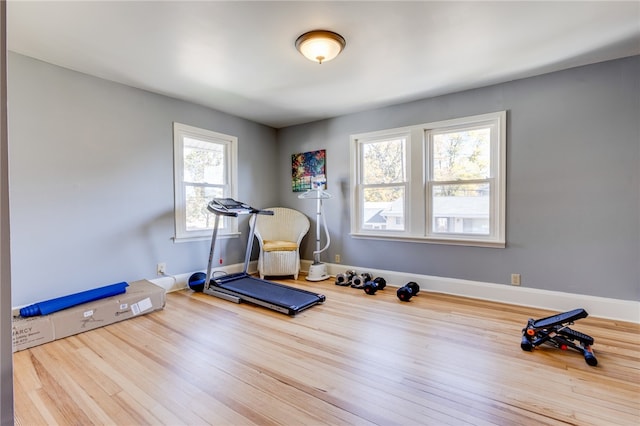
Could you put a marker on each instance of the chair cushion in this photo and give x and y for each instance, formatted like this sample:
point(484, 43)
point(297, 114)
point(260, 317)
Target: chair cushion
point(274, 245)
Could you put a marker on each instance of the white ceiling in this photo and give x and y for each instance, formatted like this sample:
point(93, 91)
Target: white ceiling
point(239, 57)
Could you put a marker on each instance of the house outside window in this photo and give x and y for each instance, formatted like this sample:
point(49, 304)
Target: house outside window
point(440, 182)
point(205, 164)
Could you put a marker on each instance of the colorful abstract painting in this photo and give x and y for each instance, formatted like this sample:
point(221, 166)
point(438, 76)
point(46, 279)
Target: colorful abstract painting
point(308, 170)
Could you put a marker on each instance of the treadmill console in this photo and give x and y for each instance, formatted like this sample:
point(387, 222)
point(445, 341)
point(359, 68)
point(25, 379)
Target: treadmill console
point(229, 204)
point(231, 207)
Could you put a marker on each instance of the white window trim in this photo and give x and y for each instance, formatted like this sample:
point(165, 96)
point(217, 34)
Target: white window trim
point(180, 131)
point(356, 172)
point(417, 202)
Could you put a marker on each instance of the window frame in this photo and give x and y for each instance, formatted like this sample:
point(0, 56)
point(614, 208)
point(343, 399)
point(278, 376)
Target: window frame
point(378, 137)
point(228, 226)
point(418, 205)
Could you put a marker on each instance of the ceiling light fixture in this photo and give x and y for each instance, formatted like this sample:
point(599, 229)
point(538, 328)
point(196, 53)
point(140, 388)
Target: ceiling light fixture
point(320, 45)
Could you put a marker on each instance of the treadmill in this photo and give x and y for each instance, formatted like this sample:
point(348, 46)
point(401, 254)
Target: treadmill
point(241, 286)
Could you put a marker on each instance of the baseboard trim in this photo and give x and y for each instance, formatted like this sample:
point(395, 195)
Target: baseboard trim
point(600, 307)
point(181, 281)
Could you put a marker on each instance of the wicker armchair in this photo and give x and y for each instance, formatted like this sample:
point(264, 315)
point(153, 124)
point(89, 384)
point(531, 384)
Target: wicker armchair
point(279, 237)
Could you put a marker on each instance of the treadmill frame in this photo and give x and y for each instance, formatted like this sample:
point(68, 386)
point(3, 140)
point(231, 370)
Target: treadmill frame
point(215, 287)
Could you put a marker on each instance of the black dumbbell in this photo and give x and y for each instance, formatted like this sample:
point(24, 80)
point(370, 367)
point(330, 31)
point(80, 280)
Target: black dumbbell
point(350, 274)
point(357, 281)
point(371, 286)
point(407, 291)
point(346, 278)
point(342, 280)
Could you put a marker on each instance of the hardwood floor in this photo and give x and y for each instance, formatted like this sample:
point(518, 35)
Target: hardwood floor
point(357, 359)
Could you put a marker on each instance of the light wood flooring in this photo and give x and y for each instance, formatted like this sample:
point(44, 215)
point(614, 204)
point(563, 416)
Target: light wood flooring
point(356, 359)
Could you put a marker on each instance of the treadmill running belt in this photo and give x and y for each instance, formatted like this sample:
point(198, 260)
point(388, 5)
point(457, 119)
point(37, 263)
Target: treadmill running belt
point(295, 300)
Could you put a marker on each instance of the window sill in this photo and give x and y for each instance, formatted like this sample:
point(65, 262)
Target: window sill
point(429, 240)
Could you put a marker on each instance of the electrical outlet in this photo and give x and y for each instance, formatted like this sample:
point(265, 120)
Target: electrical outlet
point(338, 258)
point(515, 279)
point(161, 268)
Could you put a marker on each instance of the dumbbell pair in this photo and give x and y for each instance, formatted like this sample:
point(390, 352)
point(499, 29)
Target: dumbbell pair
point(351, 278)
point(404, 293)
point(371, 286)
point(407, 291)
point(347, 279)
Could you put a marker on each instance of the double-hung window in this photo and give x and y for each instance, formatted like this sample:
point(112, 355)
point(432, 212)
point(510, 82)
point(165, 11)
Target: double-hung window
point(205, 165)
point(383, 181)
point(441, 182)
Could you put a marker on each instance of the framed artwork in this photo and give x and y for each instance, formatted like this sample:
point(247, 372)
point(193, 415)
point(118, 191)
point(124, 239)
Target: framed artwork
point(308, 171)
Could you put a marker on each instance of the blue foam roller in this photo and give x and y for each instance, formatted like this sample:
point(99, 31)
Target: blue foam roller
point(64, 302)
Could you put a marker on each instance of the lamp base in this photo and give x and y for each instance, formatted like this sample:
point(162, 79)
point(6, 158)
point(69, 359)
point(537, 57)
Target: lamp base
point(317, 272)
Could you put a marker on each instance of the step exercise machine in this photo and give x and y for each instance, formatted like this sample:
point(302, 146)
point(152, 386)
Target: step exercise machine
point(241, 286)
point(555, 331)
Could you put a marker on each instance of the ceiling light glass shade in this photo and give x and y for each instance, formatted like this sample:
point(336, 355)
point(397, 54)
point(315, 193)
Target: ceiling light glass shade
point(320, 45)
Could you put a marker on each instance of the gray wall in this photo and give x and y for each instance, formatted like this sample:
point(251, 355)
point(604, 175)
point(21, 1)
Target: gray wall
point(91, 180)
point(573, 187)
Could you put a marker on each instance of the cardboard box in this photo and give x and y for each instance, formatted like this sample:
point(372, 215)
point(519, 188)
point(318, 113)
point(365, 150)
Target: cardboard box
point(140, 298)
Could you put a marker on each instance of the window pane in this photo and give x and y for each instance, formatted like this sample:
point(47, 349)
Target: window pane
point(384, 208)
point(461, 155)
point(461, 209)
point(383, 162)
point(203, 162)
point(197, 198)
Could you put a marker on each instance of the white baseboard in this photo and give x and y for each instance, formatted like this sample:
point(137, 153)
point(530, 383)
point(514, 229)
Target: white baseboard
point(181, 281)
point(601, 307)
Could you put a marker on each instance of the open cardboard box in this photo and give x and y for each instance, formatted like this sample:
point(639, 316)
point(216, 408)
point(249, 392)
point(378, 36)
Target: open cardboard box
point(140, 298)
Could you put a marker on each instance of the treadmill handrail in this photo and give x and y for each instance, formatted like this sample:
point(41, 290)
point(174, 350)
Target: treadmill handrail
point(230, 208)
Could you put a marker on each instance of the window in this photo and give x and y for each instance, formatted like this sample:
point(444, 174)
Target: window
point(439, 182)
point(204, 168)
point(384, 183)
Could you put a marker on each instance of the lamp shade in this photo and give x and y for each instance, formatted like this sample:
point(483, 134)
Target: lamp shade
point(320, 45)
